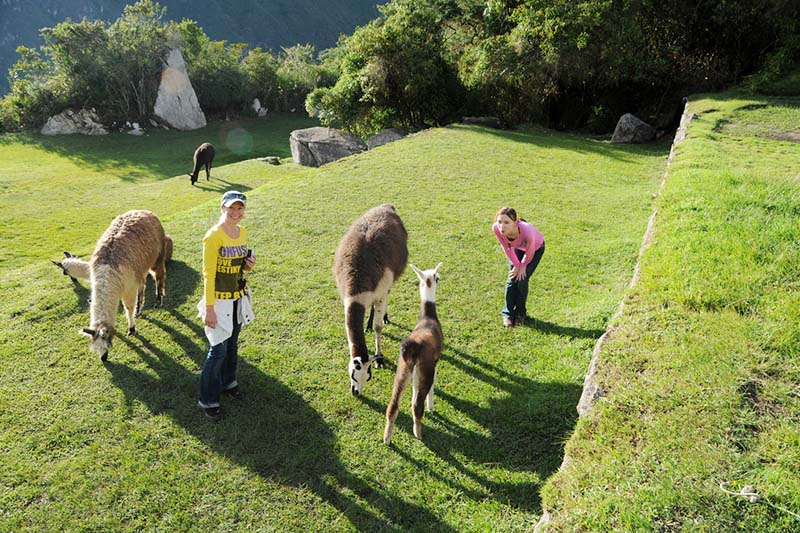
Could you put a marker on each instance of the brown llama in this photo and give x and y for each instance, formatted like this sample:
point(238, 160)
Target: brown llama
point(132, 246)
point(419, 354)
point(370, 257)
point(203, 157)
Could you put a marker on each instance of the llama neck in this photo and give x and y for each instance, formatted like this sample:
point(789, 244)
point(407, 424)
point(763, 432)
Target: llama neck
point(354, 322)
point(105, 298)
point(428, 309)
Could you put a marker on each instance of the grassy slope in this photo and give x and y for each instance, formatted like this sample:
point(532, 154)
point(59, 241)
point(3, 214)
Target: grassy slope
point(701, 377)
point(123, 445)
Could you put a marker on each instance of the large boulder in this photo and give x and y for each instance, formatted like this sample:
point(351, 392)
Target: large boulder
point(176, 103)
point(385, 136)
point(314, 147)
point(68, 121)
point(489, 122)
point(632, 130)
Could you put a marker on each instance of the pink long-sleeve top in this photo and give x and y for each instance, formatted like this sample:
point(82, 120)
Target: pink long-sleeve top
point(529, 240)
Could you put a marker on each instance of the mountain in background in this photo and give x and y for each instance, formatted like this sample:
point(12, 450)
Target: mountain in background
point(270, 24)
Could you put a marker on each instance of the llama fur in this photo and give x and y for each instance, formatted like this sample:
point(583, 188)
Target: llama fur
point(203, 157)
point(419, 354)
point(76, 268)
point(132, 246)
point(370, 257)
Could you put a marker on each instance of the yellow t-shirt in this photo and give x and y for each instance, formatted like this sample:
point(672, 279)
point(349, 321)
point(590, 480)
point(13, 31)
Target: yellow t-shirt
point(223, 258)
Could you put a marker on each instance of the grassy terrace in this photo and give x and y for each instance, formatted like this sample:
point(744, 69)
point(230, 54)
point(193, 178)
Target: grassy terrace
point(122, 446)
point(702, 376)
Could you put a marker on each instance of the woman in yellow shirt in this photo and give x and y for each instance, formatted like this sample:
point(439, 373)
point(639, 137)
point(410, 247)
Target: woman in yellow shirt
point(225, 258)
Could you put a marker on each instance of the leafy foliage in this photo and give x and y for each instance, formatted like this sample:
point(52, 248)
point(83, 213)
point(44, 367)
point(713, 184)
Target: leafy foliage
point(115, 68)
point(569, 64)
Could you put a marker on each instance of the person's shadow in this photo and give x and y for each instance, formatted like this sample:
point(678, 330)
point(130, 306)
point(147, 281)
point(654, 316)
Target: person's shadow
point(273, 432)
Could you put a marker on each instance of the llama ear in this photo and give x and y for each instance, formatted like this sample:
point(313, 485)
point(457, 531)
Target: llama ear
point(436, 270)
point(88, 332)
point(416, 270)
point(66, 253)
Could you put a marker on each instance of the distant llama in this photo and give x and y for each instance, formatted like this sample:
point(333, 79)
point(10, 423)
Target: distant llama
point(203, 157)
point(132, 246)
point(419, 354)
point(370, 257)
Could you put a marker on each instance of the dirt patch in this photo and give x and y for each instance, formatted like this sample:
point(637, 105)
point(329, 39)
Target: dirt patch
point(791, 136)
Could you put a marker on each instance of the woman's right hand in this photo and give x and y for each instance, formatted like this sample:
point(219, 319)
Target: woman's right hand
point(211, 317)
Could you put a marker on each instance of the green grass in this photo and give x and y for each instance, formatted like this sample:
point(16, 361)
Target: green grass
point(701, 376)
point(122, 446)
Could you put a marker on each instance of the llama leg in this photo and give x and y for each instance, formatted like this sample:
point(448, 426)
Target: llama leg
point(208, 171)
point(400, 381)
point(429, 397)
point(424, 384)
point(377, 324)
point(139, 301)
point(129, 301)
point(160, 277)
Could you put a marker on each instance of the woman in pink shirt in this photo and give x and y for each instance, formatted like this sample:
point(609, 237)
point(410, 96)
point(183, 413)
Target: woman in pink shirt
point(523, 244)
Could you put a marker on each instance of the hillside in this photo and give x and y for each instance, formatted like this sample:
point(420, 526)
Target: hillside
point(123, 447)
point(270, 24)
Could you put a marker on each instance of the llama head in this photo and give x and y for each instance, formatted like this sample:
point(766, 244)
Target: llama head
point(100, 340)
point(360, 372)
point(64, 269)
point(428, 279)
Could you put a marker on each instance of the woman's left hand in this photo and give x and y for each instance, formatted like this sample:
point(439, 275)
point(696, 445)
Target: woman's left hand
point(250, 262)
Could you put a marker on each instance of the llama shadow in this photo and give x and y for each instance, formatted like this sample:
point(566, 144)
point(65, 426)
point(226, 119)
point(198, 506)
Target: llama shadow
point(220, 185)
point(272, 432)
point(527, 427)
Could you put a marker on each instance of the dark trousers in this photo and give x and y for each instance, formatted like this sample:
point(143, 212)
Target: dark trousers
point(219, 369)
point(517, 291)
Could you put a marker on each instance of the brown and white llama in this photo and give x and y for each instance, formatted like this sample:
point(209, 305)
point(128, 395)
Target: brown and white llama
point(203, 157)
point(419, 353)
point(370, 257)
point(132, 246)
point(74, 267)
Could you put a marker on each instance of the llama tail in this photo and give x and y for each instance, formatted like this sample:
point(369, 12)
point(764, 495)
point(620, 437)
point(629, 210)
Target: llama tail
point(410, 350)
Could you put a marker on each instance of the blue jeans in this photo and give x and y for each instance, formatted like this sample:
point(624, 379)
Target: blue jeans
point(219, 369)
point(517, 291)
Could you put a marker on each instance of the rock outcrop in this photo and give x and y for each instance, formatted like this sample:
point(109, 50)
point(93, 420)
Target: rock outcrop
point(630, 129)
point(384, 137)
point(176, 103)
point(314, 147)
point(489, 122)
point(68, 121)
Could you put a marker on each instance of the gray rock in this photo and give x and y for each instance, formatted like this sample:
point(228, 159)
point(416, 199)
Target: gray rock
point(272, 160)
point(632, 130)
point(176, 103)
point(68, 121)
point(489, 122)
point(314, 147)
point(386, 136)
point(259, 111)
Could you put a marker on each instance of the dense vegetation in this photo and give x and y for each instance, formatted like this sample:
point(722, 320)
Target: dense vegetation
point(420, 63)
point(268, 24)
point(115, 68)
point(566, 64)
